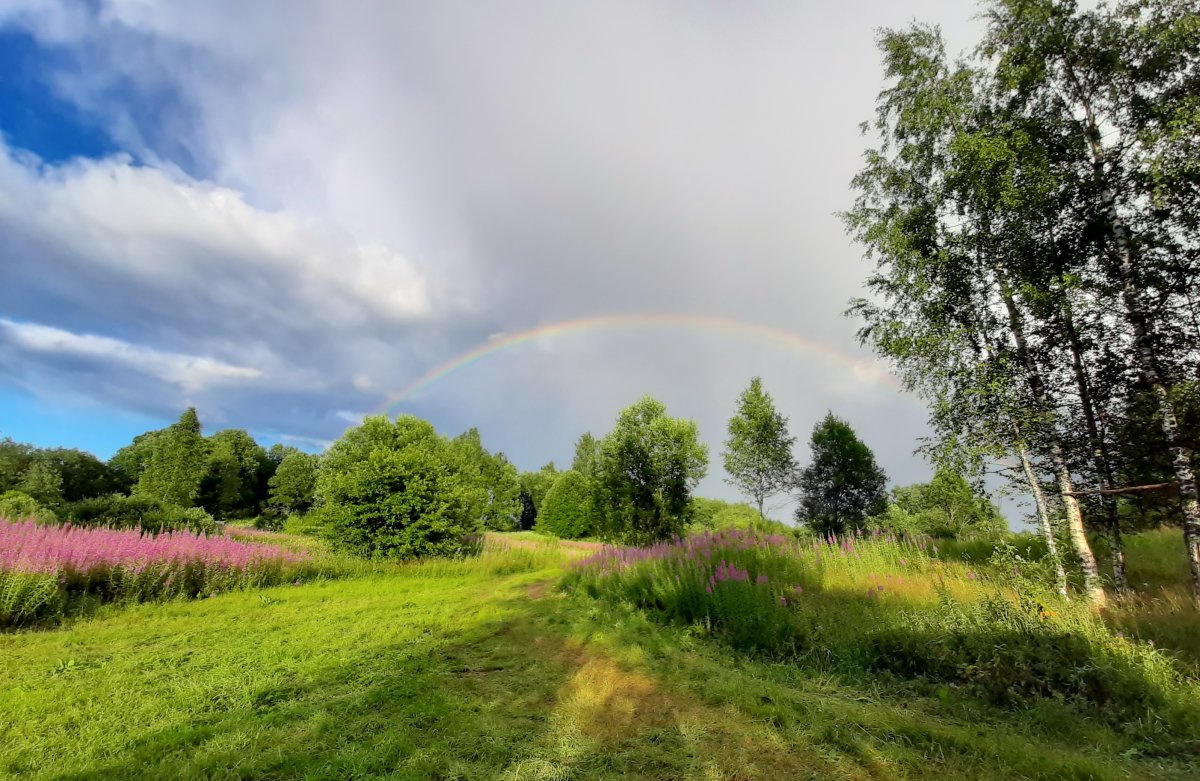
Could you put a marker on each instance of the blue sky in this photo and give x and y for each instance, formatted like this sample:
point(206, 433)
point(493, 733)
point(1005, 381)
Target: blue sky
point(282, 213)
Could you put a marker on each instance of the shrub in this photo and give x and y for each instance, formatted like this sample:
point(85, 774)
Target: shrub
point(396, 490)
point(139, 512)
point(567, 510)
point(15, 505)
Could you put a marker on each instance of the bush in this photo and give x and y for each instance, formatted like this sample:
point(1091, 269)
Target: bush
point(17, 506)
point(397, 490)
point(117, 511)
point(270, 520)
point(567, 509)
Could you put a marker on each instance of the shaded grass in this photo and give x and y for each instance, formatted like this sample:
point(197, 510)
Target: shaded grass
point(1161, 609)
point(425, 672)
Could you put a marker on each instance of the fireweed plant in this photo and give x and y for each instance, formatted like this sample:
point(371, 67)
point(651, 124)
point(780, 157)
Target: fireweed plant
point(887, 607)
point(44, 570)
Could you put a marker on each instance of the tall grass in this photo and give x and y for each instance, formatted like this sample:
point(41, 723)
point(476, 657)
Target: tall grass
point(886, 607)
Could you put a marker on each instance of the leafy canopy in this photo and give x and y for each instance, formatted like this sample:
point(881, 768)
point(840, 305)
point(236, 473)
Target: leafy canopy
point(842, 485)
point(758, 453)
point(398, 489)
point(567, 510)
point(649, 465)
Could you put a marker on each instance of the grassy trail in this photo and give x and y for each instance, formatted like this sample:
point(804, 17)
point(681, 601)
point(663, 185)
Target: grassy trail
point(464, 673)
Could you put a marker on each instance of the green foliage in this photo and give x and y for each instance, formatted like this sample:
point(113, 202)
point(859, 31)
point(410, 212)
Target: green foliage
point(398, 489)
point(128, 463)
point(14, 458)
point(17, 506)
point(758, 453)
point(587, 456)
point(842, 485)
point(649, 465)
point(496, 479)
point(872, 605)
point(568, 510)
point(53, 475)
point(83, 475)
point(43, 482)
point(118, 511)
point(294, 483)
point(713, 514)
point(230, 486)
point(947, 507)
point(176, 464)
point(534, 487)
point(30, 599)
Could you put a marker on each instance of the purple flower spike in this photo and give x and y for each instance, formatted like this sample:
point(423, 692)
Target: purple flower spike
point(761, 579)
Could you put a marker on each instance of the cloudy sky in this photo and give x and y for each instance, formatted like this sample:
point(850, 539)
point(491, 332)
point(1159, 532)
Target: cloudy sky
point(285, 213)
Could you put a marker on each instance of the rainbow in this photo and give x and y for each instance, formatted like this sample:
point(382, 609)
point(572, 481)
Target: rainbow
point(788, 339)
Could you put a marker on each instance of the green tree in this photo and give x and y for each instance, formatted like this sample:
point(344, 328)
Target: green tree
point(497, 479)
point(294, 484)
point(649, 465)
point(177, 462)
point(587, 455)
point(946, 506)
point(758, 453)
point(962, 206)
point(15, 458)
point(43, 482)
point(534, 486)
point(397, 489)
point(230, 485)
point(842, 485)
point(567, 510)
point(128, 463)
point(83, 475)
point(1111, 92)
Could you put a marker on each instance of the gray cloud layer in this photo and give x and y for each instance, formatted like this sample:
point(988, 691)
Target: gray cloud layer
point(371, 189)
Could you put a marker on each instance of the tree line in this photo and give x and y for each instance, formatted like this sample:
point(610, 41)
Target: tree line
point(400, 488)
point(635, 484)
point(1033, 213)
point(165, 479)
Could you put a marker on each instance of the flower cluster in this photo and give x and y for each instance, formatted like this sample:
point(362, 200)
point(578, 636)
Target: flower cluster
point(28, 547)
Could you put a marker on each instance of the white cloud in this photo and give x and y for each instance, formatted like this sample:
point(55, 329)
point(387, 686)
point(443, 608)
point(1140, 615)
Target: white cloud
point(189, 372)
point(374, 190)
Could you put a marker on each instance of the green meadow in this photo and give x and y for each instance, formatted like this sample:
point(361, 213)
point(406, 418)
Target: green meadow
point(486, 668)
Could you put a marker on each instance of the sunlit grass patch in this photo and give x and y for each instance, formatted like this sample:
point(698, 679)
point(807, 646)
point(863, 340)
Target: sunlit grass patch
point(875, 605)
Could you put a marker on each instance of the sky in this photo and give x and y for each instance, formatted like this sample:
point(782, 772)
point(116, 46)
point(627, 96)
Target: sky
point(287, 214)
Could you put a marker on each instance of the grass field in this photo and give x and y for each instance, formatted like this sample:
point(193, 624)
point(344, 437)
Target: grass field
point(479, 670)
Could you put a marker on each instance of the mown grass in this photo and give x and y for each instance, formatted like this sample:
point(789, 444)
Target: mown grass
point(473, 669)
